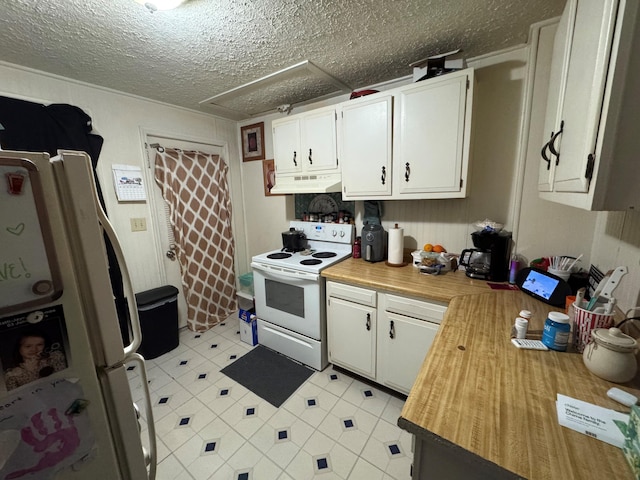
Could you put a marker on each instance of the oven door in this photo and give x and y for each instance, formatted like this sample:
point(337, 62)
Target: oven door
point(289, 298)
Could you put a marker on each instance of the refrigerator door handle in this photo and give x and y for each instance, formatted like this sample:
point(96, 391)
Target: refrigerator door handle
point(126, 279)
point(151, 457)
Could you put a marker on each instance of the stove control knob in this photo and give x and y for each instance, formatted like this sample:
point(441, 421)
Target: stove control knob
point(341, 233)
point(334, 233)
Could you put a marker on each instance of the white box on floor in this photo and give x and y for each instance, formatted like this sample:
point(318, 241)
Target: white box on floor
point(248, 327)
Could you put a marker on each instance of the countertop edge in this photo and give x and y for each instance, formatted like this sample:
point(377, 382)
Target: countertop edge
point(470, 459)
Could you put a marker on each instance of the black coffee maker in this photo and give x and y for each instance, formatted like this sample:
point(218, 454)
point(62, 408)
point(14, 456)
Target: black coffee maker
point(490, 259)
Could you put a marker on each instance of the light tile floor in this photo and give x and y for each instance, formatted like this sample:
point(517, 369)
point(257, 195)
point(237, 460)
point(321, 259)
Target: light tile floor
point(210, 427)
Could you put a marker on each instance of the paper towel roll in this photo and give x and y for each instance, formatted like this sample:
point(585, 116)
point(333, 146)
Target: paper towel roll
point(396, 245)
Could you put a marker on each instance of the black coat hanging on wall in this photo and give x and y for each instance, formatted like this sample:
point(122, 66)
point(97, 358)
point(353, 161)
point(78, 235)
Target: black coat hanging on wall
point(33, 127)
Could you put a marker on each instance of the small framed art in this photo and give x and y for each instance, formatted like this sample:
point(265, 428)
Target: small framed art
point(252, 142)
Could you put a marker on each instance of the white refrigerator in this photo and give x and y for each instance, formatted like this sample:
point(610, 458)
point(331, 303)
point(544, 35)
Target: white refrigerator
point(66, 409)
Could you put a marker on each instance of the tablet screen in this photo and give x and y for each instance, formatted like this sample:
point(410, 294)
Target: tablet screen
point(540, 284)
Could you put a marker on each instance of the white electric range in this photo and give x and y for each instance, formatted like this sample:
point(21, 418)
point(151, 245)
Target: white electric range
point(290, 292)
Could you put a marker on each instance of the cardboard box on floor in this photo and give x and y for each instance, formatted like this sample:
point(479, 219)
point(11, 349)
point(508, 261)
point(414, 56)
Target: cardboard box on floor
point(248, 327)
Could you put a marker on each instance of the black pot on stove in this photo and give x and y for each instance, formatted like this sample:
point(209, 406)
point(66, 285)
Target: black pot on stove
point(294, 240)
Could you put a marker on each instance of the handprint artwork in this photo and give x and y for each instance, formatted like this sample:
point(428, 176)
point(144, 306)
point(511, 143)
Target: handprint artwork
point(49, 439)
point(53, 442)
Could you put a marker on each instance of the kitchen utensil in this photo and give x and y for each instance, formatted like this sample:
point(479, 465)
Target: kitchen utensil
point(580, 296)
point(574, 262)
point(607, 285)
point(612, 283)
point(611, 355)
point(294, 240)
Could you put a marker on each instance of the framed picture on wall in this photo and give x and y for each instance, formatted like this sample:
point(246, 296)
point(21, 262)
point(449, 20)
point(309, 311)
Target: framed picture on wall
point(252, 142)
point(269, 176)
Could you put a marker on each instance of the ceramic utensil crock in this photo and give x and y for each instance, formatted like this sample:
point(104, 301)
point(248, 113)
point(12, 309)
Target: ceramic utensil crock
point(611, 355)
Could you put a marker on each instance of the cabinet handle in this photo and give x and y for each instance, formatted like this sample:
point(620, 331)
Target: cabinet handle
point(295, 163)
point(407, 172)
point(310, 159)
point(368, 321)
point(552, 142)
point(392, 330)
point(383, 178)
point(544, 155)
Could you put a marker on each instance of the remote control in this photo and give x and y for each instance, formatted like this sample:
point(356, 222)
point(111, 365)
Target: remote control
point(529, 344)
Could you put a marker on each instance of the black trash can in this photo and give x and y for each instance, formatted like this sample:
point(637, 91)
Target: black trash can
point(158, 312)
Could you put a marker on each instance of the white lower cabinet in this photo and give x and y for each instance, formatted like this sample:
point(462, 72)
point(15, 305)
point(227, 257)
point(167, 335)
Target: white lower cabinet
point(380, 336)
point(352, 336)
point(351, 328)
point(404, 338)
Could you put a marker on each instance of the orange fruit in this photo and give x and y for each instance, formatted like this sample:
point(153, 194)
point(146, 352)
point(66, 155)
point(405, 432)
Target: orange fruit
point(428, 247)
point(439, 249)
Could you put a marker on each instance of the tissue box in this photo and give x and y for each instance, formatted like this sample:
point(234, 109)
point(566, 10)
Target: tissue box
point(631, 445)
point(248, 327)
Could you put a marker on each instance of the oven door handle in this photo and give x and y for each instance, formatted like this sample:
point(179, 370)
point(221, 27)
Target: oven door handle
point(275, 272)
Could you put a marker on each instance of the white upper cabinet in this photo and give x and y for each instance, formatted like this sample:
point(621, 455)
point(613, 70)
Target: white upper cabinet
point(365, 129)
point(305, 152)
point(408, 143)
point(589, 156)
point(286, 146)
point(431, 137)
point(319, 140)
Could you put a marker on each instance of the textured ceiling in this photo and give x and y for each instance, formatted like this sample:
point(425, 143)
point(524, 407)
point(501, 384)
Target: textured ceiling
point(207, 47)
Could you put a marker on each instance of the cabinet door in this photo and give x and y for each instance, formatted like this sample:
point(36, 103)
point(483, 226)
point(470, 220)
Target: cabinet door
point(319, 141)
point(555, 95)
point(432, 135)
point(584, 92)
point(351, 332)
point(286, 146)
point(365, 129)
point(403, 343)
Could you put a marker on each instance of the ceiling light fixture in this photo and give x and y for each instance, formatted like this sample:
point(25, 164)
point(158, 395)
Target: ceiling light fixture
point(153, 5)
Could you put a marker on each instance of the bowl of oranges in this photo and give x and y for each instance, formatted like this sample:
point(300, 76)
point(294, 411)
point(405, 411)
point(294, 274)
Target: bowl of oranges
point(433, 259)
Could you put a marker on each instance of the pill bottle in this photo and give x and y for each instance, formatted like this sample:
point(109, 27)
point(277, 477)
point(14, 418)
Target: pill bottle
point(526, 314)
point(520, 328)
point(555, 334)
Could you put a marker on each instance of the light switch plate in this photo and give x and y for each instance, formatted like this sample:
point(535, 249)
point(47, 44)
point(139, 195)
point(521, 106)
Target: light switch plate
point(138, 224)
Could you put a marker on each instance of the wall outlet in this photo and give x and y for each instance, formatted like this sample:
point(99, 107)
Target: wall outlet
point(138, 224)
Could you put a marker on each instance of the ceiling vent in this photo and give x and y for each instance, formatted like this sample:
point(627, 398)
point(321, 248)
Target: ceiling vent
point(296, 85)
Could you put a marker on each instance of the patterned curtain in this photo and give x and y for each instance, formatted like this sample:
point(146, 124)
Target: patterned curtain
point(194, 185)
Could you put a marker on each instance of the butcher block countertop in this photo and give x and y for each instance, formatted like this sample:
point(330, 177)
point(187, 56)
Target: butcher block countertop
point(485, 400)
point(406, 280)
point(482, 394)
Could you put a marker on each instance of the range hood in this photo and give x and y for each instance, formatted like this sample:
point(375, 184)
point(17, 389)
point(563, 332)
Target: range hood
point(308, 184)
